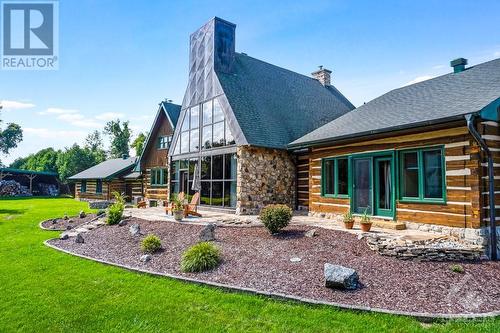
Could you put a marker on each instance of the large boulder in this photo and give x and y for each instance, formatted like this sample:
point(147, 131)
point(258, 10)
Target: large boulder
point(79, 238)
point(135, 230)
point(82, 214)
point(207, 234)
point(340, 277)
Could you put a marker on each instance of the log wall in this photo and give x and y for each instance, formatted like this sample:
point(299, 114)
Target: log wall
point(463, 174)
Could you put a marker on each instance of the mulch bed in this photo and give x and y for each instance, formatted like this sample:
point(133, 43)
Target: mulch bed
point(254, 259)
point(62, 224)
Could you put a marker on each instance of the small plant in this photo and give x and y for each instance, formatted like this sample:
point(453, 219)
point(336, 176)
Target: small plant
point(365, 219)
point(177, 204)
point(115, 212)
point(119, 197)
point(200, 257)
point(457, 269)
point(275, 217)
point(150, 244)
point(66, 217)
point(348, 219)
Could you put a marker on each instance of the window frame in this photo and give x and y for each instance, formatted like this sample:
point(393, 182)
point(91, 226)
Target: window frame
point(164, 142)
point(83, 186)
point(97, 182)
point(161, 173)
point(421, 181)
point(336, 193)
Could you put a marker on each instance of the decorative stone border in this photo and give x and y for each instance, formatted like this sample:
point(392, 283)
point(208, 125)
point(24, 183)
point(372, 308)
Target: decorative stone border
point(48, 229)
point(423, 316)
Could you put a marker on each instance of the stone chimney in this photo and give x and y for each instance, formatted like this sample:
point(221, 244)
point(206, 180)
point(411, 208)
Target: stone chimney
point(322, 75)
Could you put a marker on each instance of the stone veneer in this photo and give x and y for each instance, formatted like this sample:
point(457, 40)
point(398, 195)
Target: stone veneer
point(265, 176)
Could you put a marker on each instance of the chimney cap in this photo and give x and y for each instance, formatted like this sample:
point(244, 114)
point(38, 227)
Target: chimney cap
point(321, 69)
point(458, 64)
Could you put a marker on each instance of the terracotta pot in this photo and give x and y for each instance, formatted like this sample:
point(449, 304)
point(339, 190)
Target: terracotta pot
point(348, 224)
point(365, 227)
point(178, 215)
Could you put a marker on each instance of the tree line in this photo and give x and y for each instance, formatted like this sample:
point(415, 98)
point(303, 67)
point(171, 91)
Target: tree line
point(72, 160)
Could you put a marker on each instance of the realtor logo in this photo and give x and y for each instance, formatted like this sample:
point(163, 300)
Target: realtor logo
point(29, 35)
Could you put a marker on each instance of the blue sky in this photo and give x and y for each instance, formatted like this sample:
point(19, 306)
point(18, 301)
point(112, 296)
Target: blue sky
point(120, 58)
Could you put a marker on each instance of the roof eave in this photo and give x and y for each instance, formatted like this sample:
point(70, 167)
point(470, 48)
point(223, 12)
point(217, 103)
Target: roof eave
point(335, 140)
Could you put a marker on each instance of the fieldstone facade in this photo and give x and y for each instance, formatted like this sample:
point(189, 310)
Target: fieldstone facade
point(265, 176)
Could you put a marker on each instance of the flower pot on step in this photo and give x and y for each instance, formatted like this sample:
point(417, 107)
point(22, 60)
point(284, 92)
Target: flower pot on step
point(348, 224)
point(178, 215)
point(365, 227)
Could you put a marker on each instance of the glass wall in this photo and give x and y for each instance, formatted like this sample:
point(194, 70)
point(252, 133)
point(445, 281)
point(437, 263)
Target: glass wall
point(217, 178)
point(203, 133)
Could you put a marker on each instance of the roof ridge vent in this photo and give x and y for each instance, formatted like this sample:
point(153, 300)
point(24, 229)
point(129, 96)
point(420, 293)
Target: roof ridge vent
point(458, 65)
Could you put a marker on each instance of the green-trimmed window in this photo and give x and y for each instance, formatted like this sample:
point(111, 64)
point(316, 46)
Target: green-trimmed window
point(422, 175)
point(83, 186)
point(158, 177)
point(98, 186)
point(335, 177)
point(164, 142)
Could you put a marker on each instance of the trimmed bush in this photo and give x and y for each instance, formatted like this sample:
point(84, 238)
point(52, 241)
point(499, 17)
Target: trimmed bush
point(457, 269)
point(150, 244)
point(115, 213)
point(275, 217)
point(200, 257)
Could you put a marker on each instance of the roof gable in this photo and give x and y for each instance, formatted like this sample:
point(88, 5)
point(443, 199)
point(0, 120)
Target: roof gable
point(447, 97)
point(274, 106)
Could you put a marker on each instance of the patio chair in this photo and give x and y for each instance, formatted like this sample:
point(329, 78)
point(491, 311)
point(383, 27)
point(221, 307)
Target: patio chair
point(170, 205)
point(192, 208)
point(141, 204)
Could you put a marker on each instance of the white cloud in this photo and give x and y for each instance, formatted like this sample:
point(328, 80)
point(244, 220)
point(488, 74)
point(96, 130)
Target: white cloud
point(55, 111)
point(69, 117)
point(497, 54)
point(438, 67)
point(106, 116)
point(46, 133)
point(419, 79)
point(14, 105)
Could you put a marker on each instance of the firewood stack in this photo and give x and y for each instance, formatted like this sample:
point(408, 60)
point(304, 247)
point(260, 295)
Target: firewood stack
point(13, 189)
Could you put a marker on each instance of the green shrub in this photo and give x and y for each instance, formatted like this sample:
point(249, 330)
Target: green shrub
point(150, 244)
point(115, 213)
point(457, 268)
point(200, 257)
point(275, 217)
point(348, 217)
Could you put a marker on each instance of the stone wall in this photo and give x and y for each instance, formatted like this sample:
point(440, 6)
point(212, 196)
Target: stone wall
point(265, 176)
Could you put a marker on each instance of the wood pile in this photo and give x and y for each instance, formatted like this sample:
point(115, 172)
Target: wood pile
point(11, 188)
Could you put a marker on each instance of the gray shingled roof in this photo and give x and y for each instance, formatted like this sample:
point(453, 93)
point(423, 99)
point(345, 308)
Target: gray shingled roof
point(173, 111)
point(274, 106)
point(436, 100)
point(106, 169)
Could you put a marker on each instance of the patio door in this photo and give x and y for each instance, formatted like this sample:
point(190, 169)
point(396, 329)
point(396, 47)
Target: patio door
point(373, 185)
point(183, 181)
point(384, 186)
point(362, 185)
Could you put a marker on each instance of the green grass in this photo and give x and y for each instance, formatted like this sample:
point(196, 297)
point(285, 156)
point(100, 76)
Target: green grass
point(43, 290)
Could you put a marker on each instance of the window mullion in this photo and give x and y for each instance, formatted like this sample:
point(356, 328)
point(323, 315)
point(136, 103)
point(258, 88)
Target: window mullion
point(335, 178)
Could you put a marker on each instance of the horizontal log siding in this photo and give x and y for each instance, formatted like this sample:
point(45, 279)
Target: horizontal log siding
point(462, 177)
point(490, 132)
point(303, 180)
point(90, 192)
point(154, 192)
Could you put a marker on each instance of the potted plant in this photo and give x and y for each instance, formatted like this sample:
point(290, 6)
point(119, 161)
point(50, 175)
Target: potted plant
point(348, 220)
point(366, 222)
point(178, 209)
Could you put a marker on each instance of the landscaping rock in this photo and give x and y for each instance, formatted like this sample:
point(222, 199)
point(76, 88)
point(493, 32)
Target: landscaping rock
point(54, 221)
point(79, 239)
point(311, 233)
point(295, 259)
point(82, 214)
point(135, 230)
point(207, 234)
point(68, 227)
point(146, 257)
point(340, 277)
point(64, 236)
point(71, 221)
point(65, 217)
point(122, 223)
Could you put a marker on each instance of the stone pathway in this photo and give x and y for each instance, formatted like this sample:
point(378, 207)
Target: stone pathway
point(84, 228)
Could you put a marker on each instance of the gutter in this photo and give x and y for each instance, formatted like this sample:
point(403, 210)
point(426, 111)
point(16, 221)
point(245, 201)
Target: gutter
point(491, 177)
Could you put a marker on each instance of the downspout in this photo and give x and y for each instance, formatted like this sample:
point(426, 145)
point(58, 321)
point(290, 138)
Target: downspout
point(491, 179)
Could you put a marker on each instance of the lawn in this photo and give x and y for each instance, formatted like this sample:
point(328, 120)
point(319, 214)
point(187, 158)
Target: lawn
point(43, 290)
